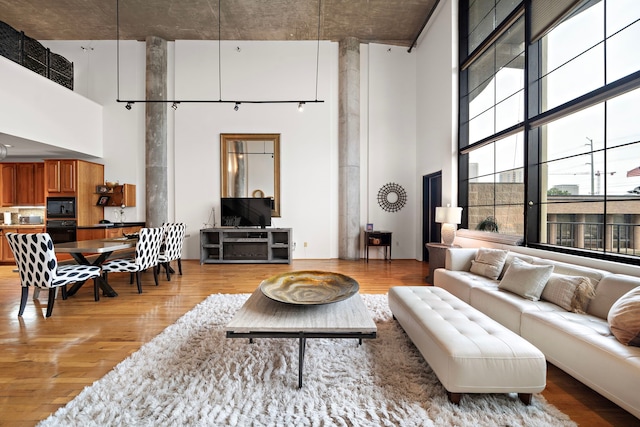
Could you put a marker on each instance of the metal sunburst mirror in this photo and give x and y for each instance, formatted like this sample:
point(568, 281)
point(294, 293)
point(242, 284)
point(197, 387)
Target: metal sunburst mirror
point(392, 197)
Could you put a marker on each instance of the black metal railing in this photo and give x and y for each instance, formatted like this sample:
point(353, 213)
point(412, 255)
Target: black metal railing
point(29, 53)
point(620, 237)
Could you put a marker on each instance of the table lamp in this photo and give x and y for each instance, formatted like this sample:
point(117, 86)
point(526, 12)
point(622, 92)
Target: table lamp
point(449, 217)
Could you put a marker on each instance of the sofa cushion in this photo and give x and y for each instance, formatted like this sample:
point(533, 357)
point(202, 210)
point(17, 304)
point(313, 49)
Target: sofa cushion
point(489, 262)
point(569, 292)
point(525, 279)
point(624, 318)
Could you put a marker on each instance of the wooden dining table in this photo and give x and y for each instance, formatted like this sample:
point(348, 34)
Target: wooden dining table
point(79, 251)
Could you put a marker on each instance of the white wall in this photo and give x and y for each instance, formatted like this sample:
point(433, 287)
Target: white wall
point(437, 107)
point(36, 108)
point(309, 140)
point(388, 134)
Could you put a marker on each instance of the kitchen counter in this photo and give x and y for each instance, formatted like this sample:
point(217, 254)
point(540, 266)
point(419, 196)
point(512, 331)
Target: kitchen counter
point(23, 226)
point(111, 225)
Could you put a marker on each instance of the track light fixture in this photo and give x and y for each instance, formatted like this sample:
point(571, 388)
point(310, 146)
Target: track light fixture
point(301, 106)
point(128, 106)
point(237, 106)
point(175, 105)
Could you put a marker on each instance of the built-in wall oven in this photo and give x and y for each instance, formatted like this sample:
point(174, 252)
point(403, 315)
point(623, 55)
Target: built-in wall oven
point(62, 230)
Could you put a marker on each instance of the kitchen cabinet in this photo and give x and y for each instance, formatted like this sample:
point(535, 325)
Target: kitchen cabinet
point(6, 255)
point(8, 184)
point(76, 178)
point(122, 194)
point(23, 184)
point(61, 176)
point(106, 232)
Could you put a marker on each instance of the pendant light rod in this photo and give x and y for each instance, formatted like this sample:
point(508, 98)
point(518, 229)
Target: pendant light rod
point(217, 101)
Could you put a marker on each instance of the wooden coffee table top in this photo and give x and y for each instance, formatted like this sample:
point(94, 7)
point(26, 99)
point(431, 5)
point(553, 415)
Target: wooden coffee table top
point(262, 314)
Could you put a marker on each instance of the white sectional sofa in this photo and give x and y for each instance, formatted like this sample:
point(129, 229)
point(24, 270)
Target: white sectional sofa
point(580, 343)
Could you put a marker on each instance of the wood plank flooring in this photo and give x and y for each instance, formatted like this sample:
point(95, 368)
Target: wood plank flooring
point(44, 363)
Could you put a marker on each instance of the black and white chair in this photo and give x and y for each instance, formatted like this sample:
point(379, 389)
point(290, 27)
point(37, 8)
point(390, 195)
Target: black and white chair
point(146, 256)
point(172, 247)
point(38, 267)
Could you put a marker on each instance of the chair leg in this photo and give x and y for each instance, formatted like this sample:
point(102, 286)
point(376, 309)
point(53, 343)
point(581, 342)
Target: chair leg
point(138, 280)
point(131, 278)
point(36, 293)
point(180, 266)
point(168, 269)
point(96, 289)
point(155, 276)
point(23, 300)
point(64, 291)
point(52, 300)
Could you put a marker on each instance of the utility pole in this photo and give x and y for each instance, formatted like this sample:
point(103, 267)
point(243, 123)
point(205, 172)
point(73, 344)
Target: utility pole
point(592, 167)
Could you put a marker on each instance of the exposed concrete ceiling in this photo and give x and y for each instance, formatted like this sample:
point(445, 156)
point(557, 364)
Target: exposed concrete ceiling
point(395, 22)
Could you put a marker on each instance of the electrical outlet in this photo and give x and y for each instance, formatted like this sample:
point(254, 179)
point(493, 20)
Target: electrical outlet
point(294, 246)
point(305, 244)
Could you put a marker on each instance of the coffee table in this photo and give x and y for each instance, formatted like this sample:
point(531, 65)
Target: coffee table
point(262, 317)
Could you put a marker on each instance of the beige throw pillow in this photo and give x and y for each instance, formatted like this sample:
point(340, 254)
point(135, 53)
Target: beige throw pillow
point(624, 318)
point(489, 262)
point(572, 293)
point(525, 279)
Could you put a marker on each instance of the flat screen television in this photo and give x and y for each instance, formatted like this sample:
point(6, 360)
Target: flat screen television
point(246, 211)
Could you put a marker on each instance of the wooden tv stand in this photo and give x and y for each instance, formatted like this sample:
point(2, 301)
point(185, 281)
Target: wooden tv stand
point(245, 245)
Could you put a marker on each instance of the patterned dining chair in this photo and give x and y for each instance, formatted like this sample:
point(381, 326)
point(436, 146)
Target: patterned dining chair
point(172, 248)
point(38, 267)
point(146, 257)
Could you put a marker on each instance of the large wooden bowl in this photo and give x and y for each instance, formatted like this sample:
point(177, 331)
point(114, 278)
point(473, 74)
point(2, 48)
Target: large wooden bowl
point(309, 287)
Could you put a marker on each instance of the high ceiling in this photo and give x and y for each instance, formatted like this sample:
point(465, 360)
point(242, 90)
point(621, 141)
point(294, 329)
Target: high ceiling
point(396, 22)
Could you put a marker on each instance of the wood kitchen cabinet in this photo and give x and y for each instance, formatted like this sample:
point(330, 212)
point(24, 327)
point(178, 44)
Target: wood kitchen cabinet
point(22, 184)
point(6, 255)
point(8, 173)
point(123, 194)
point(61, 176)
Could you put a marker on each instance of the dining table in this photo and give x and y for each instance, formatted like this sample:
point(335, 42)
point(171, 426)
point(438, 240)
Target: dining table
point(81, 250)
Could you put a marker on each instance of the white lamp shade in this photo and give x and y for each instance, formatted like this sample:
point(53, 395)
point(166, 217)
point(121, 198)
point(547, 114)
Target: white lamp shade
point(448, 215)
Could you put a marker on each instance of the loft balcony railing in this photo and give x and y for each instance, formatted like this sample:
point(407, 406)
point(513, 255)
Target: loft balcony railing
point(29, 53)
point(585, 235)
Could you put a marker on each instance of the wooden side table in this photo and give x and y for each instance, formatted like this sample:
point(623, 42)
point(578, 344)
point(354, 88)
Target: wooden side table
point(378, 238)
point(437, 256)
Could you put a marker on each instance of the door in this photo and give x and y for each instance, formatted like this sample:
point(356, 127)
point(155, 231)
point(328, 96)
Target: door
point(431, 198)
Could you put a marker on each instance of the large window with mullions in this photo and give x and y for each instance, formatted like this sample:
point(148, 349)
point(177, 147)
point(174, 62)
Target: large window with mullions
point(555, 158)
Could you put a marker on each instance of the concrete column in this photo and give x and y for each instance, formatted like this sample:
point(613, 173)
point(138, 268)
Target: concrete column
point(349, 149)
point(156, 133)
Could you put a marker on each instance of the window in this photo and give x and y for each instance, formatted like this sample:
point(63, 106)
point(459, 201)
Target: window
point(575, 123)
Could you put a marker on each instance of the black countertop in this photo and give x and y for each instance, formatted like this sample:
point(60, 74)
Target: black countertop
point(112, 225)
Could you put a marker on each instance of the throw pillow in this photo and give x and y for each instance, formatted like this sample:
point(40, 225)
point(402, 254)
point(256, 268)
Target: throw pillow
point(572, 293)
point(489, 262)
point(525, 279)
point(624, 318)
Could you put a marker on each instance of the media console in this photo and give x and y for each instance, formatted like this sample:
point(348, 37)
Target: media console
point(245, 245)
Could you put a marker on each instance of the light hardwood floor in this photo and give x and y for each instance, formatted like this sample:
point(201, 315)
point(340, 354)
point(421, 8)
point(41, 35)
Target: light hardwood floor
point(44, 363)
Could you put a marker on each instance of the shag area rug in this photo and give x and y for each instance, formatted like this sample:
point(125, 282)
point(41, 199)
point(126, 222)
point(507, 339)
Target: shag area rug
point(192, 375)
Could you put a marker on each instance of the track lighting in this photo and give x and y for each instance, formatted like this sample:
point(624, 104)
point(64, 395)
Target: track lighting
point(128, 106)
point(175, 105)
point(301, 107)
point(237, 106)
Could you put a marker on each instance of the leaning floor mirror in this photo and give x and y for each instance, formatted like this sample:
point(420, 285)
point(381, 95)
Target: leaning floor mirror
point(250, 166)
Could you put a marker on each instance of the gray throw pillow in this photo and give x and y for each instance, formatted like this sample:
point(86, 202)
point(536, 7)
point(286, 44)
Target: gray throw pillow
point(489, 262)
point(525, 279)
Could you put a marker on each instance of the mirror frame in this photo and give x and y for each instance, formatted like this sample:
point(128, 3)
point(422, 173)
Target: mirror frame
point(227, 138)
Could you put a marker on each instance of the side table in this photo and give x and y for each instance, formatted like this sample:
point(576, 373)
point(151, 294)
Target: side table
point(437, 256)
point(378, 238)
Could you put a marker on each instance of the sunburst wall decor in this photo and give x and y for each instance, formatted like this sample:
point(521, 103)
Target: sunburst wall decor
point(392, 197)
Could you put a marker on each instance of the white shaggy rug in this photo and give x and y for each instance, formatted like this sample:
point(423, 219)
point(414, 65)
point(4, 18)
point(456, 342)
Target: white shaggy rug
point(192, 375)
